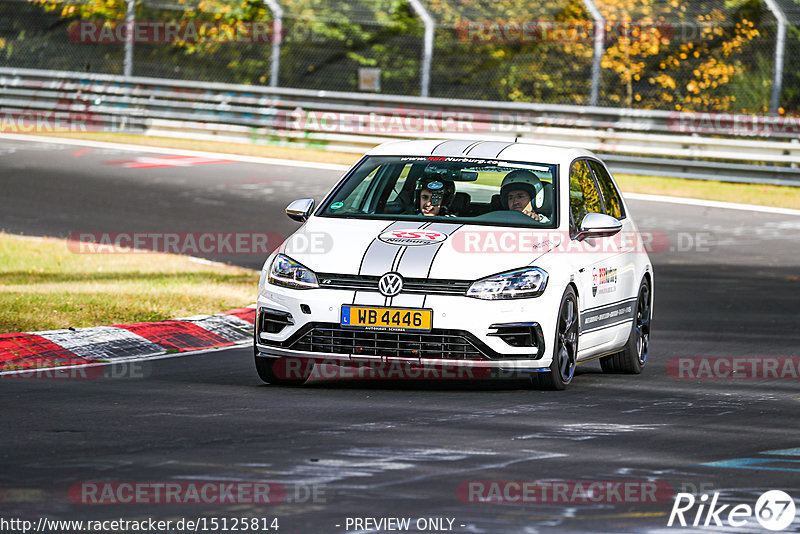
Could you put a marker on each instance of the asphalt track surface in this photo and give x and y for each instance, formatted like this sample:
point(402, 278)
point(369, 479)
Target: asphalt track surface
point(402, 448)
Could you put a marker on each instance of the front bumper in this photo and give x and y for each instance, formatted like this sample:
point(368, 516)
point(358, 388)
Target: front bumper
point(467, 332)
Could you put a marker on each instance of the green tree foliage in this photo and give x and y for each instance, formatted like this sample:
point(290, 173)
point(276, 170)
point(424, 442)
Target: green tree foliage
point(711, 55)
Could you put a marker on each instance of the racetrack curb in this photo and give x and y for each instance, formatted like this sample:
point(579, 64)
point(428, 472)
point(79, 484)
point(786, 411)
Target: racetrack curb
point(28, 351)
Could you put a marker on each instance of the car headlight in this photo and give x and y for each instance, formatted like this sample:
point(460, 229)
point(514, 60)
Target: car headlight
point(518, 284)
point(286, 272)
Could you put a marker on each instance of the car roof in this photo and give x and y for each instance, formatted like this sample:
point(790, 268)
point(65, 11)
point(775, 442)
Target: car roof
point(512, 151)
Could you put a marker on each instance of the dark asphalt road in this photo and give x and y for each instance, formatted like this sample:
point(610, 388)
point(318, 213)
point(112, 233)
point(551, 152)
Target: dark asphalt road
point(389, 449)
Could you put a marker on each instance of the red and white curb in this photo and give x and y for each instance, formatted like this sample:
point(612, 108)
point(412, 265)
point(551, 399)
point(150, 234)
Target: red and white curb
point(28, 351)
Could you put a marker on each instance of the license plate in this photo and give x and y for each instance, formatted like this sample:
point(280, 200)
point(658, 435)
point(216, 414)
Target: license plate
point(394, 319)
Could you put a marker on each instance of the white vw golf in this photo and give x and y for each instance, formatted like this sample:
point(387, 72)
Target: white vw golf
point(503, 257)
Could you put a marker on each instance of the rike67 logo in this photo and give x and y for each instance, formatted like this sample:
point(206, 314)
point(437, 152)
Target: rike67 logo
point(774, 510)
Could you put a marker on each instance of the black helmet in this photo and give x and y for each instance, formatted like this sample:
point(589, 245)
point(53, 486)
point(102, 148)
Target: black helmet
point(436, 186)
point(519, 180)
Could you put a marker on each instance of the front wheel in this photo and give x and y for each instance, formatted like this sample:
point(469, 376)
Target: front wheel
point(565, 348)
point(631, 359)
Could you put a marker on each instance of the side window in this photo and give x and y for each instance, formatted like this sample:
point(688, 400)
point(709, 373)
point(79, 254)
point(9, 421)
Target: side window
point(365, 198)
point(357, 199)
point(583, 195)
point(611, 198)
point(399, 184)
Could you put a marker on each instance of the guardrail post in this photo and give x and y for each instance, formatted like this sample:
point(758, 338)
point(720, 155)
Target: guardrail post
point(597, 54)
point(130, 22)
point(780, 48)
point(277, 37)
point(427, 51)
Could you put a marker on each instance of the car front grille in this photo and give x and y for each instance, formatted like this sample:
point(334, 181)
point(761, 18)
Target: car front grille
point(437, 344)
point(423, 286)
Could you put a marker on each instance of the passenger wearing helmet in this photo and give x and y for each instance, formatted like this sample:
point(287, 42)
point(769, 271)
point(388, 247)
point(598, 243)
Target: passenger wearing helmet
point(518, 191)
point(434, 197)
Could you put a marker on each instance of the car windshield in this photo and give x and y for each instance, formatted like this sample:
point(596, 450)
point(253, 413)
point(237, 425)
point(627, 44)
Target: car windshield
point(453, 189)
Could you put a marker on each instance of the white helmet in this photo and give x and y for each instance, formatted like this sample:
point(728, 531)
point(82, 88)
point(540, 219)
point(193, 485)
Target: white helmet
point(519, 180)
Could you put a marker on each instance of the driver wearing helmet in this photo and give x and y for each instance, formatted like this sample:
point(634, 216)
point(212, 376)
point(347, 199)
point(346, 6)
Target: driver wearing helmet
point(433, 197)
point(518, 191)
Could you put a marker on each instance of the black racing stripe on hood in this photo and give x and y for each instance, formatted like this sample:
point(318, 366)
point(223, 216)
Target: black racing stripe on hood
point(417, 261)
point(410, 261)
point(379, 256)
point(449, 231)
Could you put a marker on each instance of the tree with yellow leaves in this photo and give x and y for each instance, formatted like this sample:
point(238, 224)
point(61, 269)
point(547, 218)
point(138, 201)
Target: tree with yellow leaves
point(670, 56)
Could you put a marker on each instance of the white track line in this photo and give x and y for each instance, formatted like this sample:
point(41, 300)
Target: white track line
point(342, 168)
point(711, 204)
point(176, 151)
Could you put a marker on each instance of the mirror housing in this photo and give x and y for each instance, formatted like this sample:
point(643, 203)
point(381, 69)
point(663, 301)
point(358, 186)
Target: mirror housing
point(300, 210)
point(598, 225)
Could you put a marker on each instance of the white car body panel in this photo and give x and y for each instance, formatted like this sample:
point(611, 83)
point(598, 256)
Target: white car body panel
point(352, 248)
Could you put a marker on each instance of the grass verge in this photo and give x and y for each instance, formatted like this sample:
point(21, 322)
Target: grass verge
point(763, 195)
point(44, 286)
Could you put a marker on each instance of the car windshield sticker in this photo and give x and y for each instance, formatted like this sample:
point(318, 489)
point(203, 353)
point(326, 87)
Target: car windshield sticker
point(412, 237)
point(337, 205)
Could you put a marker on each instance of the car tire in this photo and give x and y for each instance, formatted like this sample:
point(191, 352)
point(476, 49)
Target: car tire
point(565, 346)
point(631, 359)
point(271, 369)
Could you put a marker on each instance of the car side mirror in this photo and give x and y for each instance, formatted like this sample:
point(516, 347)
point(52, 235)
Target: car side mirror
point(300, 210)
point(598, 225)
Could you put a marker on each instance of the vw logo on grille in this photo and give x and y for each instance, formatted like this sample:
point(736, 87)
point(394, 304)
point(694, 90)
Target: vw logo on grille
point(390, 284)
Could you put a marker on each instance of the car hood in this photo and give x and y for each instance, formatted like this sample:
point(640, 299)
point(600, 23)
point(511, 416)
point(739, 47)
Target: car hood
point(415, 249)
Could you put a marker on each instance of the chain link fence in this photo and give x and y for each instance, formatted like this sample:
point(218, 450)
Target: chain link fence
point(346, 46)
point(510, 51)
point(699, 55)
point(35, 38)
point(181, 41)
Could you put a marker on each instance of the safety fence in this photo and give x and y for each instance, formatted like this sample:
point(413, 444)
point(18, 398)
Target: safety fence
point(723, 56)
point(739, 148)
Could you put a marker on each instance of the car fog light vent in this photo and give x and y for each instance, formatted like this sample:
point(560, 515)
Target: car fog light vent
point(273, 321)
point(520, 334)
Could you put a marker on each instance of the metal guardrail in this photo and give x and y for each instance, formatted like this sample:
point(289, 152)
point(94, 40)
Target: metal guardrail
point(641, 142)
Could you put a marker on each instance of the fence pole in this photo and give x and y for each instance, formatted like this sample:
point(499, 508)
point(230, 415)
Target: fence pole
point(780, 50)
point(597, 54)
point(130, 22)
point(427, 52)
point(277, 37)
